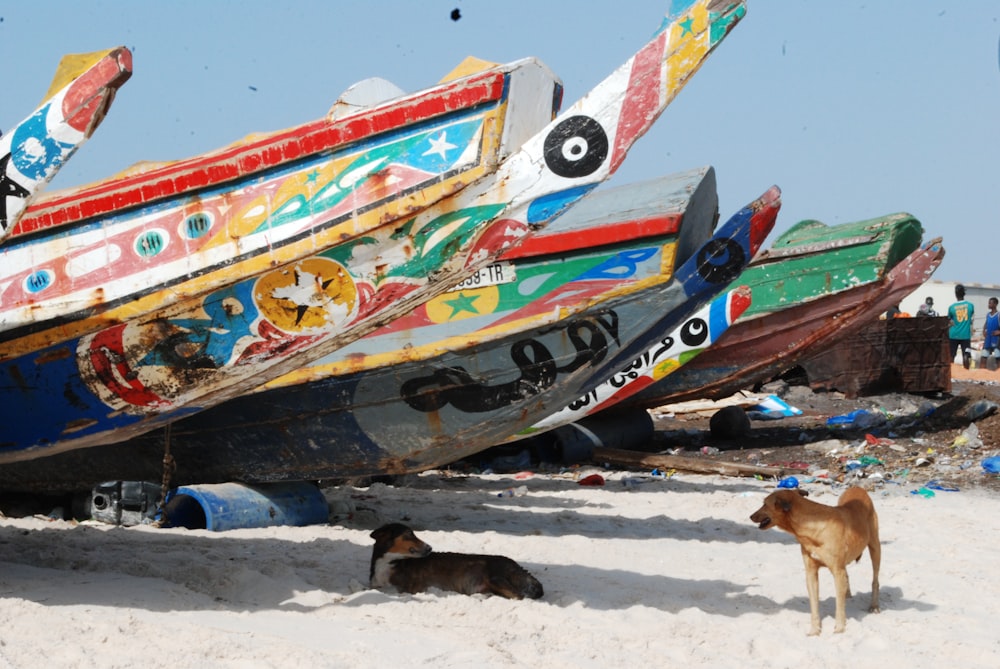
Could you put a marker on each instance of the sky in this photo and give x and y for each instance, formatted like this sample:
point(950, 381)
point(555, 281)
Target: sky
point(855, 109)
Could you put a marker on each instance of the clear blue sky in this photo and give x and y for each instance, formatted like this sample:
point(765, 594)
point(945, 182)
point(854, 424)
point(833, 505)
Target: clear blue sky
point(855, 109)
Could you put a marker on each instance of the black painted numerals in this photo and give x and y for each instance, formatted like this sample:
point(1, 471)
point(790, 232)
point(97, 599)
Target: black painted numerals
point(536, 365)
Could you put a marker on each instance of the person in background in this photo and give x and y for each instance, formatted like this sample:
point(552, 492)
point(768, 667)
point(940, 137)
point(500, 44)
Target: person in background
point(991, 336)
point(960, 315)
point(895, 312)
point(927, 308)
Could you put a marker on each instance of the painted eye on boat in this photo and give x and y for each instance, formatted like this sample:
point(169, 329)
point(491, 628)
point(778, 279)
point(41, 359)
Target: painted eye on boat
point(576, 147)
point(721, 260)
point(695, 332)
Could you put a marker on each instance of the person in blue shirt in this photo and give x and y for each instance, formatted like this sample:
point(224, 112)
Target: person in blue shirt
point(960, 315)
point(991, 335)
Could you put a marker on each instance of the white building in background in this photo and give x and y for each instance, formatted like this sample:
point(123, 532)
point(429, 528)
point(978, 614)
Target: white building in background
point(943, 293)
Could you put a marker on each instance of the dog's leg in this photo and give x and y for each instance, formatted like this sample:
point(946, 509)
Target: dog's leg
point(812, 587)
point(875, 552)
point(840, 582)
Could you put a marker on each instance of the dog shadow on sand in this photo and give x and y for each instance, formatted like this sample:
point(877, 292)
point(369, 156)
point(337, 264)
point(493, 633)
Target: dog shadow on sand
point(620, 589)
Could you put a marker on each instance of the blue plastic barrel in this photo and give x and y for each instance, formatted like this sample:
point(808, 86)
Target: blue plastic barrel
point(228, 506)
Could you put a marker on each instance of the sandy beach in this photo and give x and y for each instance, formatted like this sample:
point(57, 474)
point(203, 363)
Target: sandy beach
point(639, 572)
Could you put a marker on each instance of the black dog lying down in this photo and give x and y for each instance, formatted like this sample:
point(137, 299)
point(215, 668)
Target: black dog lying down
point(403, 561)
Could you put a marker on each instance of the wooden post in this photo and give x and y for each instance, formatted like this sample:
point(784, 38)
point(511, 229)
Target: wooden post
point(640, 460)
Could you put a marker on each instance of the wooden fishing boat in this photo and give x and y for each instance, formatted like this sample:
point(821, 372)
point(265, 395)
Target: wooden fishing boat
point(613, 243)
point(666, 348)
point(32, 152)
point(577, 293)
point(158, 233)
point(816, 284)
point(148, 371)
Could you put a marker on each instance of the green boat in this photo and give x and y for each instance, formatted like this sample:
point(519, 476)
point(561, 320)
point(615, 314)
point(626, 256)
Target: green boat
point(806, 287)
point(813, 260)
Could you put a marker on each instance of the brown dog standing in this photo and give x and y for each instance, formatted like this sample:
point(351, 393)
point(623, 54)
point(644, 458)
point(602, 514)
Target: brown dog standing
point(831, 537)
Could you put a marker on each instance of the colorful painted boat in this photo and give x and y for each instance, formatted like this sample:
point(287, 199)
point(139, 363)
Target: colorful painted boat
point(668, 349)
point(143, 240)
point(815, 283)
point(614, 244)
point(33, 151)
point(582, 290)
point(130, 378)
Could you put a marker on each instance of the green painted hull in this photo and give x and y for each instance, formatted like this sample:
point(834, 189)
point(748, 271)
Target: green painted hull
point(813, 260)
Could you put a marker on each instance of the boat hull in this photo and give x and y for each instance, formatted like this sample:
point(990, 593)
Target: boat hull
point(370, 407)
point(758, 349)
point(665, 348)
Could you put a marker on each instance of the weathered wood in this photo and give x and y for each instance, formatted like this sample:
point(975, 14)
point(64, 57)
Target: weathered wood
point(639, 460)
point(898, 355)
point(708, 407)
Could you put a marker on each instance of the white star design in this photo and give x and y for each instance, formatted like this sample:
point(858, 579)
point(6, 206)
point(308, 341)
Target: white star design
point(440, 145)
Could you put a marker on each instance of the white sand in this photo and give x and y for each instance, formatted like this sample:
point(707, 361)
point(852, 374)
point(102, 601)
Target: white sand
point(667, 573)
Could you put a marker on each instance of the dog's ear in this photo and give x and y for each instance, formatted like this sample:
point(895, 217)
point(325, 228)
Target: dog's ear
point(380, 533)
point(804, 493)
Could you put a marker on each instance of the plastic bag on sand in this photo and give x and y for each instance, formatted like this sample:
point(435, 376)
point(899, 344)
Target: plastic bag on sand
point(969, 438)
point(858, 418)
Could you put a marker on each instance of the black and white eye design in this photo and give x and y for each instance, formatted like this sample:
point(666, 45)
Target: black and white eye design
point(576, 147)
point(694, 333)
point(721, 260)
